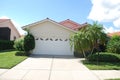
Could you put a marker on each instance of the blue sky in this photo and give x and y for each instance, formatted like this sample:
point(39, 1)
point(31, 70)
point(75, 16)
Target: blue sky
point(24, 12)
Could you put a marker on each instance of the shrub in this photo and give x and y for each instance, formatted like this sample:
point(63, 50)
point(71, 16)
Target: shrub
point(104, 57)
point(113, 45)
point(29, 42)
point(5, 44)
point(21, 53)
point(19, 44)
point(26, 44)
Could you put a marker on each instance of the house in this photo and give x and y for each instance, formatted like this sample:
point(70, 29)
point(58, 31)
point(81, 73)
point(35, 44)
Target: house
point(51, 37)
point(8, 30)
point(114, 33)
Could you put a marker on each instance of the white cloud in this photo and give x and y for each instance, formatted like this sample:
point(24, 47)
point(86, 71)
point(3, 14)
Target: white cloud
point(110, 29)
point(117, 23)
point(4, 17)
point(17, 25)
point(106, 11)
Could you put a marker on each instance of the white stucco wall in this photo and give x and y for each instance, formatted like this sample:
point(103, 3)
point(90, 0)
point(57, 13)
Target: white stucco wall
point(50, 30)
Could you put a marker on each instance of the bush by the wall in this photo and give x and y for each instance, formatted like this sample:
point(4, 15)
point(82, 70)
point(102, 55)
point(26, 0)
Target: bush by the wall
point(113, 45)
point(21, 53)
point(104, 57)
point(5, 44)
point(19, 44)
point(29, 42)
point(25, 44)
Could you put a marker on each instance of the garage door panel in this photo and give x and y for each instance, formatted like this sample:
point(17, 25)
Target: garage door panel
point(52, 47)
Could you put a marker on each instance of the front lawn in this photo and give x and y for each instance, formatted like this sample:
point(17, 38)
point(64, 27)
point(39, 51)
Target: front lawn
point(8, 59)
point(94, 65)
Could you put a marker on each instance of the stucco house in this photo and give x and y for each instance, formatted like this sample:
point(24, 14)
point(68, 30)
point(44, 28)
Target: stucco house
point(7, 30)
point(51, 37)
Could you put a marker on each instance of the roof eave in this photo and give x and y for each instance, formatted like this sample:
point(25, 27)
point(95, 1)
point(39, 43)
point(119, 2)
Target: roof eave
point(30, 25)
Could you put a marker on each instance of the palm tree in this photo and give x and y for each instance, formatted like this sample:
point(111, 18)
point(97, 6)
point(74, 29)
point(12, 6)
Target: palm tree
point(96, 32)
point(88, 38)
point(80, 42)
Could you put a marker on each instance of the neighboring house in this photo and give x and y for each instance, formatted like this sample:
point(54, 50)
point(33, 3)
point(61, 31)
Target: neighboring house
point(114, 33)
point(8, 30)
point(51, 37)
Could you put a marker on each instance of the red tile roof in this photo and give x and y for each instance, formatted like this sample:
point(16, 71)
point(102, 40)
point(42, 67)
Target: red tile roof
point(71, 24)
point(114, 33)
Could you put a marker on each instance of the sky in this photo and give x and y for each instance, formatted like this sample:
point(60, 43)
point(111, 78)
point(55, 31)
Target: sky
point(23, 12)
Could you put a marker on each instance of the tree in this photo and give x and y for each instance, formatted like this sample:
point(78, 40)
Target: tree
point(97, 36)
point(113, 45)
point(88, 38)
point(29, 42)
point(80, 42)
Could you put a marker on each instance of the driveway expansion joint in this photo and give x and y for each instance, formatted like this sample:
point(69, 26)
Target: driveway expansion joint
point(51, 68)
point(95, 74)
point(25, 74)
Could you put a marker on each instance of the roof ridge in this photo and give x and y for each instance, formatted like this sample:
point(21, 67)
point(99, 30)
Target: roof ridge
point(4, 20)
point(71, 21)
point(47, 19)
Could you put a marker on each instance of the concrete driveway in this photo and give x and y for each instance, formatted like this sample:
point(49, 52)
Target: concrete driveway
point(49, 68)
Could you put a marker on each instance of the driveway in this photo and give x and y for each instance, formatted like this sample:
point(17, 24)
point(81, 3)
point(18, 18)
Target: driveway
point(49, 68)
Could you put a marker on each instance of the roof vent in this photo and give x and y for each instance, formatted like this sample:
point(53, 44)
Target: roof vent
point(47, 18)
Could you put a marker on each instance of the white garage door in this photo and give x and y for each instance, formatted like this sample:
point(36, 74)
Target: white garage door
point(52, 47)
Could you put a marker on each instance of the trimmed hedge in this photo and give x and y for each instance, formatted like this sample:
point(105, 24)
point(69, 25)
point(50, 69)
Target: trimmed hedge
point(104, 57)
point(5, 44)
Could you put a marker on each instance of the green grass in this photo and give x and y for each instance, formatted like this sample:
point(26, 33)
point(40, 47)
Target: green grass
point(8, 59)
point(102, 65)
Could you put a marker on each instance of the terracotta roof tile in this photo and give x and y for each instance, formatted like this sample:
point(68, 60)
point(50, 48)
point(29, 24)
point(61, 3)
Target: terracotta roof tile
point(71, 24)
point(114, 33)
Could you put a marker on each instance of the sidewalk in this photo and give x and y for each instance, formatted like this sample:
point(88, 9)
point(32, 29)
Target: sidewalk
point(107, 74)
point(54, 68)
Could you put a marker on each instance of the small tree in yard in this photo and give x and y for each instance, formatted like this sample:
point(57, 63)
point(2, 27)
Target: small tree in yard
point(88, 38)
point(29, 42)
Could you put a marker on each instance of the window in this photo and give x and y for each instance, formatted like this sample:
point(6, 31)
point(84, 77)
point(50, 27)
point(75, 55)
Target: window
point(56, 39)
point(46, 39)
point(51, 39)
point(41, 38)
point(36, 38)
point(60, 39)
point(14, 37)
point(66, 39)
point(5, 33)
